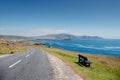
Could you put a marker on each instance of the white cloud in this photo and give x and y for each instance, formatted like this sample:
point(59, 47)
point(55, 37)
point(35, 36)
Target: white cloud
point(32, 32)
point(40, 32)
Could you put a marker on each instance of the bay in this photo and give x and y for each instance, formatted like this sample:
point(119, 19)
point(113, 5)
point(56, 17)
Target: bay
point(109, 47)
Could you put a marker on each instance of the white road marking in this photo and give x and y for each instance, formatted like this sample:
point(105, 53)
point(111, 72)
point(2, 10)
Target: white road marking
point(27, 55)
point(14, 64)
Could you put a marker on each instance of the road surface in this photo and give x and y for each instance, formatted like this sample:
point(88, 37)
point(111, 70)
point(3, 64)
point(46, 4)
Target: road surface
point(30, 65)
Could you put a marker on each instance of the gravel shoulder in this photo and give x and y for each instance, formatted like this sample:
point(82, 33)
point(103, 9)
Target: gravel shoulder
point(2, 56)
point(61, 71)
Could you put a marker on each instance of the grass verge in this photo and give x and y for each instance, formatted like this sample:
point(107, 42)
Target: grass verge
point(102, 67)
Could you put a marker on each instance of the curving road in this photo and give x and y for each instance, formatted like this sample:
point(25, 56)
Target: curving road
point(30, 65)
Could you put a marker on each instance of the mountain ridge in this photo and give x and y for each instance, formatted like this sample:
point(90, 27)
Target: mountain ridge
point(62, 36)
point(66, 36)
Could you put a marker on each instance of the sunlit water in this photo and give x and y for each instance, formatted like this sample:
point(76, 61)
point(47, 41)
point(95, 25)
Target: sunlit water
point(96, 46)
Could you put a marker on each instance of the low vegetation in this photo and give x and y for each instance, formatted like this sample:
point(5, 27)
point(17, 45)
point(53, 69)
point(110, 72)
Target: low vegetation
point(102, 67)
point(7, 47)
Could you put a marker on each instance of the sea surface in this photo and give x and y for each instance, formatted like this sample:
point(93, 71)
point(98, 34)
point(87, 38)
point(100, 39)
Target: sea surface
point(109, 47)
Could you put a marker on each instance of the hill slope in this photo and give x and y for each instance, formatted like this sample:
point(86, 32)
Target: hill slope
point(66, 36)
point(12, 37)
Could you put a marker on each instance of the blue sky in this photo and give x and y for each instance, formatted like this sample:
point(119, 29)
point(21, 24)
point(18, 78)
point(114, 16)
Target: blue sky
point(78, 17)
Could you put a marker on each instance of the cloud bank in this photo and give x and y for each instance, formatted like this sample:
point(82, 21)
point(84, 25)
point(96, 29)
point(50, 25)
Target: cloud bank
point(31, 32)
point(40, 32)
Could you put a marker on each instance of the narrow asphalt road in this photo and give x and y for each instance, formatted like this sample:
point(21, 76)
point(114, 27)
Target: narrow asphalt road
point(30, 65)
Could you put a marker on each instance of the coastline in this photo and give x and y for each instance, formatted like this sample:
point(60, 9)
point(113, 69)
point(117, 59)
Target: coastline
point(105, 47)
point(84, 53)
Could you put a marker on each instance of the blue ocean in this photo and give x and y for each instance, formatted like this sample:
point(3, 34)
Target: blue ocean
point(109, 47)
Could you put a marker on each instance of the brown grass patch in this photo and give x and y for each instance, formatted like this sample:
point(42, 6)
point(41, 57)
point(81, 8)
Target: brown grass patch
point(7, 47)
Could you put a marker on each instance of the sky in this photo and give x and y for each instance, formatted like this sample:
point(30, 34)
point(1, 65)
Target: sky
point(78, 17)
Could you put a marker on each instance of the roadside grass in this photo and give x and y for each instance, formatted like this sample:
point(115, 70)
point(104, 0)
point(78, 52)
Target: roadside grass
point(102, 67)
point(8, 48)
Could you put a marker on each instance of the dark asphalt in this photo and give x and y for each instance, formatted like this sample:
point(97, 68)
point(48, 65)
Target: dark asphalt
point(30, 65)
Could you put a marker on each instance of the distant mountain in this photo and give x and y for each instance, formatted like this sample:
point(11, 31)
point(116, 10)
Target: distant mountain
point(89, 37)
point(62, 36)
point(56, 36)
point(66, 37)
point(12, 37)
